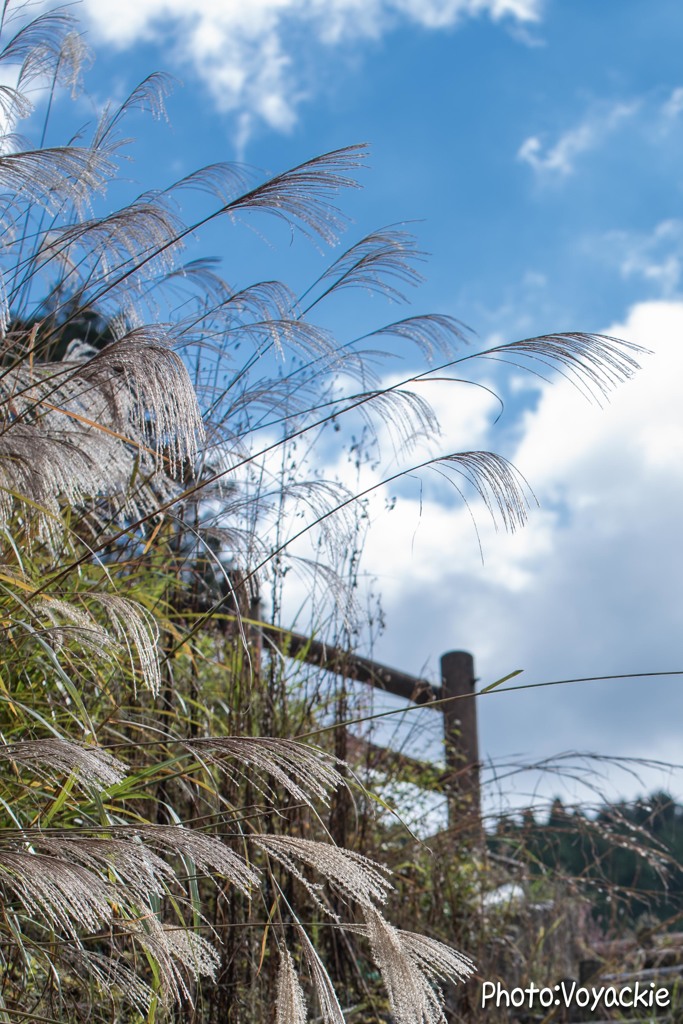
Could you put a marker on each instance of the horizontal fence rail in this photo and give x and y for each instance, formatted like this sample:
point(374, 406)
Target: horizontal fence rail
point(352, 666)
point(460, 781)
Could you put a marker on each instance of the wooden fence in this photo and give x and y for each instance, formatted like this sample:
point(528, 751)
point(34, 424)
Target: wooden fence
point(454, 700)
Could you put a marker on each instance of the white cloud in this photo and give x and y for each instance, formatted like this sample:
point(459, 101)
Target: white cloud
point(590, 587)
point(245, 53)
point(559, 159)
point(444, 13)
point(655, 257)
point(674, 104)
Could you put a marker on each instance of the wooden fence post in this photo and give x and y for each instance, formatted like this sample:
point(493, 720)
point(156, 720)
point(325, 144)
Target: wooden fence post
point(462, 744)
point(461, 780)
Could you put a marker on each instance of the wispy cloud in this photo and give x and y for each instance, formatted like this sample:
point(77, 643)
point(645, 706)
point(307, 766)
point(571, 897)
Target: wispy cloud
point(559, 158)
point(252, 56)
point(673, 106)
point(654, 257)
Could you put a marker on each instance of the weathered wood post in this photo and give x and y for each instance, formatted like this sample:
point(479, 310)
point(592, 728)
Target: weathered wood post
point(462, 744)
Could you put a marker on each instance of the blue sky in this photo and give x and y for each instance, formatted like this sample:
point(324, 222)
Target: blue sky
point(535, 146)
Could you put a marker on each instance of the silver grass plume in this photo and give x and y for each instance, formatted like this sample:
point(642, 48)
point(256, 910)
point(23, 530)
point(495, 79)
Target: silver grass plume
point(303, 193)
point(408, 968)
point(328, 1002)
point(47, 177)
point(431, 332)
point(68, 622)
point(37, 470)
point(63, 894)
point(594, 363)
point(138, 631)
point(109, 242)
point(71, 432)
point(111, 971)
point(208, 853)
point(126, 857)
point(435, 958)
point(75, 880)
point(158, 388)
point(291, 1004)
point(305, 772)
point(120, 869)
point(95, 768)
point(45, 46)
point(355, 877)
point(412, 999)
point(179, 954)
point(382, 256)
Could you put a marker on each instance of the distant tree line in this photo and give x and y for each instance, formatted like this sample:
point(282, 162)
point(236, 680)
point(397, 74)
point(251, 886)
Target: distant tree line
point(628, 858)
